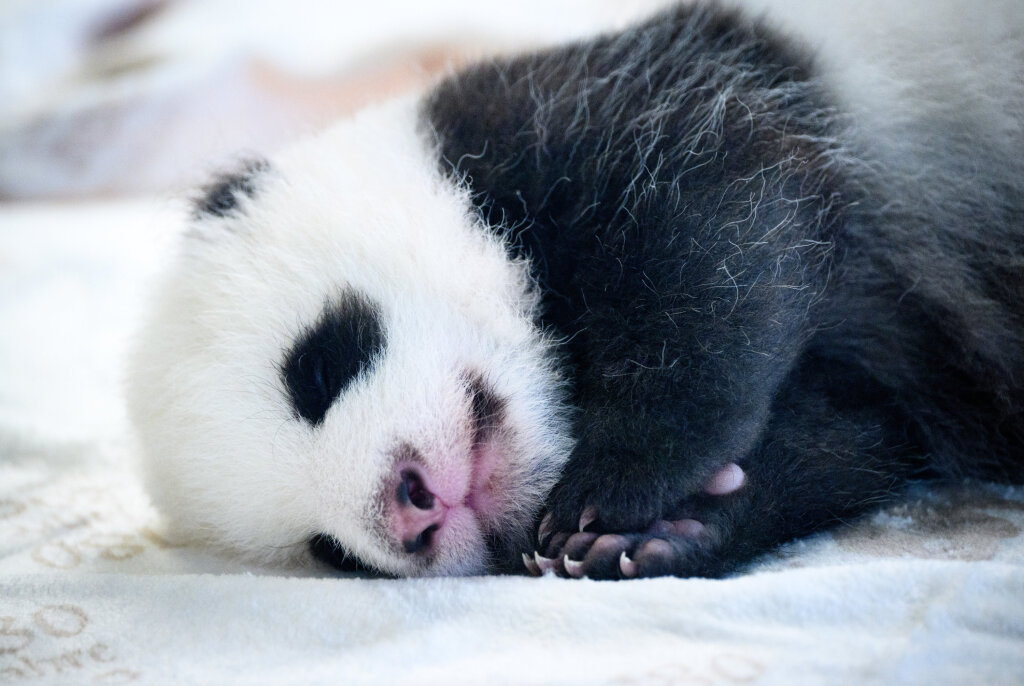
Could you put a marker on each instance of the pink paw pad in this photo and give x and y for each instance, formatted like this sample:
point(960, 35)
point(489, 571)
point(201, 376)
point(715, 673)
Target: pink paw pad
point(726, 480)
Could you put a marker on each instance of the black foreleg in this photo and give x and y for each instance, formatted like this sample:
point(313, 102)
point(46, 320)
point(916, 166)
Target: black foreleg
point(832, 450)
point(677, 365)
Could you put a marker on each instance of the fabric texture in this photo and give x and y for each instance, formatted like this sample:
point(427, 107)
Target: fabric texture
point(928, 591)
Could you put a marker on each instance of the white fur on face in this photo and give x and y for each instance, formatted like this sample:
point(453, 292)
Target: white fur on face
point(361, 209)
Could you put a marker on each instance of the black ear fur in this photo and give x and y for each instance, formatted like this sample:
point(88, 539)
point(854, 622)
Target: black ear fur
point(221, 196)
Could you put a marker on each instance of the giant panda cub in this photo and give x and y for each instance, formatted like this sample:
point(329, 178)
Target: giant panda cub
point(647, 304)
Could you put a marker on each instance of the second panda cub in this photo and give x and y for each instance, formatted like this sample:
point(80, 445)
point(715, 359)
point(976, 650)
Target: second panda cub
point(648, 304)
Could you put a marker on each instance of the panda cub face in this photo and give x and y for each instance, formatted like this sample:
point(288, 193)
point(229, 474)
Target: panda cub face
point(344, 352)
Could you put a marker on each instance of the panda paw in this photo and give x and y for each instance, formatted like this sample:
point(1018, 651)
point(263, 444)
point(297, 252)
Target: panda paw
point(682, 545)
point(670, 548)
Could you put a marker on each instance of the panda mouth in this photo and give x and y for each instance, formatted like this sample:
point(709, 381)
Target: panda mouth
point(443, 498)
point(484, 461)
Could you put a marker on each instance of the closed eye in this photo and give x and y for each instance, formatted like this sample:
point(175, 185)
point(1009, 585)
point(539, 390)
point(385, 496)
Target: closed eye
point(330, 355)
point(326, 549)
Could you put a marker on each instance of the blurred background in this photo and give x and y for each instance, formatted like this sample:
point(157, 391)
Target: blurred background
point(106, 97)
point(112, 111)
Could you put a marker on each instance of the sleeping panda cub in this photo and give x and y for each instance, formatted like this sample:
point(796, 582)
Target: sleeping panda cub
point(647, 304)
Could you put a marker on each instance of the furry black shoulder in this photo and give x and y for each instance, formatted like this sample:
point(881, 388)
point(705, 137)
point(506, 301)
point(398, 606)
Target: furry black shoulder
point(673, 295)
point(737, 284)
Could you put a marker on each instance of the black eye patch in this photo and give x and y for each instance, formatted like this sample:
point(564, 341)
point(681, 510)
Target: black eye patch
point(329, 355)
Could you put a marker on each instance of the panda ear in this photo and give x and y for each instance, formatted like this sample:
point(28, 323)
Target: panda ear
point(224, 196)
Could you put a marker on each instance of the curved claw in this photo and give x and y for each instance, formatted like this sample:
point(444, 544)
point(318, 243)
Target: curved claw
point(545, 529)
point(573, 568)
point(588, 517)
point(531, 565)
point(546, 564)
point(627, 566)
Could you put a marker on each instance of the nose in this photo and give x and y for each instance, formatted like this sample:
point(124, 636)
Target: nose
point(418, 514)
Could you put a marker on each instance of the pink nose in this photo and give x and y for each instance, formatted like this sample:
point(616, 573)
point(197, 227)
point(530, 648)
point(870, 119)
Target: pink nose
point(419, 514)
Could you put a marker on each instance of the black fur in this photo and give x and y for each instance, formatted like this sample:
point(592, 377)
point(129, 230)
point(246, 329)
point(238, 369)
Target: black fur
point(220, 198)
point(324, 548)
point(734, 285)
point(331, 354)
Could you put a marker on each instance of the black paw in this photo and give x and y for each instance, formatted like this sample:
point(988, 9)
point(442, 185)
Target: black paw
point(632, 500)
point(682, 539)
point(669, 548)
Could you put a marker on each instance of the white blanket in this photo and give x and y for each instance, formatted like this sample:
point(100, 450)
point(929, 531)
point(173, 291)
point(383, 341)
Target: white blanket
point(927, 592)
point(930, 591)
